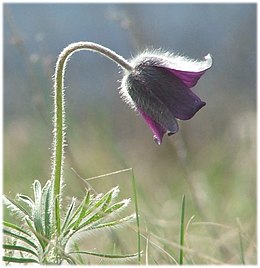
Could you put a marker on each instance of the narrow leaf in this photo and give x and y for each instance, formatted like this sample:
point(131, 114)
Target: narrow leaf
point(114, 223)
point(117, 206)
point(26, 199)
point(20, 237)
point(42, 240)
point(93, 209)
point(80, 260)
point(114, 191)
point(73, 218)
point(101, 214)
point(19, 260)
point(107, 202)
point(16, 208)
point(83, 210)
point(37, 190)
point(47, 210)
point(68, 214)
point(20, 248)
point(37, 215)
point(15, 227)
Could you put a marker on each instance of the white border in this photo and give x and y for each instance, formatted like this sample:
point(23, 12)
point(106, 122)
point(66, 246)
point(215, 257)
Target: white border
point(106, 1)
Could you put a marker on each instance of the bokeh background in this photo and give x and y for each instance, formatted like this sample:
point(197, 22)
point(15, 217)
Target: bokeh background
point(212, 160)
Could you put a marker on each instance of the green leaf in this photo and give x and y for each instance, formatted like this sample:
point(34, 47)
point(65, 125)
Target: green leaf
point(79, 258)
point(20, 248)
point(117, 206)
point(96, 210)
point(46, 195)
point(97, 203)
point(16, 208)
point(73, 218)
point(41, 238)
point(26, 199)
point(37, 214)
point(97, 216)
point(84, 206)
point(107, 202)
point(19, 260)
point(68, 215)
point(37, 190)
point(20, 237)
point(93, 212)
point(114, 223)
point(15, 227)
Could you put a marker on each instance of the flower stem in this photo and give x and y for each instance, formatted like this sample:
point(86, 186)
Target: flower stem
point(59, 104)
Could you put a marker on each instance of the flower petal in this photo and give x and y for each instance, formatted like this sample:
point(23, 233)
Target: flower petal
point(174, 93)
point(173, 61)
point(156, 128)
point(146, 102)
point(190, 79)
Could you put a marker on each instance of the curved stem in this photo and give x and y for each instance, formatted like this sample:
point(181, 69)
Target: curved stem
point(59, 105)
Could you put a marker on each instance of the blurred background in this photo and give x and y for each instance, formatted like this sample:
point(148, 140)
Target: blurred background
point(212, 160)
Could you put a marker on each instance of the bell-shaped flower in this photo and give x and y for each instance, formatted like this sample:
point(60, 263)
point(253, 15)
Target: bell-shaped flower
point(159, 88)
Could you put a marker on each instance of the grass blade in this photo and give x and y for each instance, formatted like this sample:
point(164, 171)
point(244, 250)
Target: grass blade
point(242, 254)
point(103, 255)
point(241, 249)
point(182, 230)
point(137, 218)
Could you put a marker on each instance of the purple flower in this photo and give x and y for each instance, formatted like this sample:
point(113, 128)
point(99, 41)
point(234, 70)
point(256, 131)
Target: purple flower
point(159, 88)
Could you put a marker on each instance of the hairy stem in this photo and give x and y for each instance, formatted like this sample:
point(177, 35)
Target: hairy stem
point(59, 105)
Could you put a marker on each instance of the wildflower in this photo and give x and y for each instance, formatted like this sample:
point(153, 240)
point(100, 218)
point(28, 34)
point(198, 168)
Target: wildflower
point(159, 89)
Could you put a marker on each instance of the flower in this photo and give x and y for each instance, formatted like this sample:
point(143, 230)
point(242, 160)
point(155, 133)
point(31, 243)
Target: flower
point(159, 89)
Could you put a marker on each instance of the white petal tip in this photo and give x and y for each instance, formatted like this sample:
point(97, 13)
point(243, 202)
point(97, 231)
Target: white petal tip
point(209, 60)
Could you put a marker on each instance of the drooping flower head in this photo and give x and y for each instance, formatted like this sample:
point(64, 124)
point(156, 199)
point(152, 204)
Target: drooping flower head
point(159, 89)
